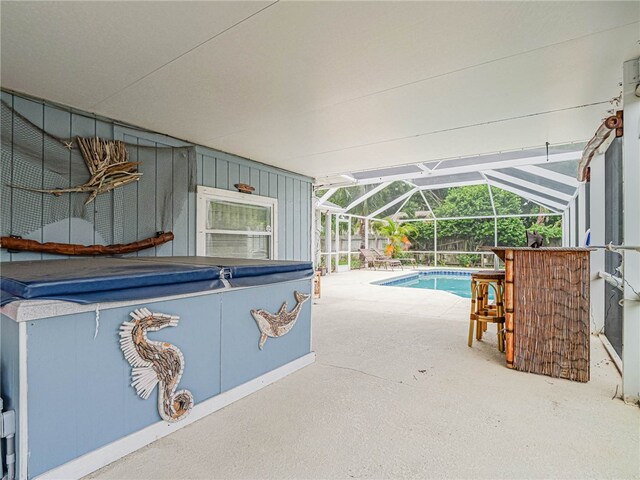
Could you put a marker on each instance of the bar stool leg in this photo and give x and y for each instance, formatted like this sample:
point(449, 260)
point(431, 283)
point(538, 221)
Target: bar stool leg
point(479, 309)
point(473, 311)
point(500, 313)
point(485, 307)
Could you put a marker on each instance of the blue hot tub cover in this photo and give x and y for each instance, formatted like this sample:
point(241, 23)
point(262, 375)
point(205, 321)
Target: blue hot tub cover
point(246, 272)
point(90, 280)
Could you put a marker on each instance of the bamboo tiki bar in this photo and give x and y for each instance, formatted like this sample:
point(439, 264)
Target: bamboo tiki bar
point(508, 299)
point(547, 310)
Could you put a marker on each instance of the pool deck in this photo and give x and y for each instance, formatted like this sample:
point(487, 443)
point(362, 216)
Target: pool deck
point(396, 393)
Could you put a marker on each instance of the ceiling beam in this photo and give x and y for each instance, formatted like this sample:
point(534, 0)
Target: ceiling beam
point(426, 203)
point(369, 194)
point(461, 183)
point(530, 185)
point(444, 170)
point(493, 205)
point(403, 204)
point(393, 202)
point(327, 195)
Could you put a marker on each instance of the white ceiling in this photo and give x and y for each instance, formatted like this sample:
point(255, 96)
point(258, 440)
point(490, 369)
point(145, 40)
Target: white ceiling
point(329, 87)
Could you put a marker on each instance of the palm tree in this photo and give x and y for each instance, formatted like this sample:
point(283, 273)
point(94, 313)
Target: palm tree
point(397, 234)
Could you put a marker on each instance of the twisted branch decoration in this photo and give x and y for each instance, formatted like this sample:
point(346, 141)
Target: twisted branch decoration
point(109, 166)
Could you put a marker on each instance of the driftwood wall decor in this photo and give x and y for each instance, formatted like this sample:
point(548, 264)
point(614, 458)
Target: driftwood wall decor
point(155, 363)
point(278, 324)
point(107, 162)
point(25, 245)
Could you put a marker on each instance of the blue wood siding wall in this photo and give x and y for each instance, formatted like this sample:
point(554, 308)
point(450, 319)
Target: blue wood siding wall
point(135, 211)
point(216, 334)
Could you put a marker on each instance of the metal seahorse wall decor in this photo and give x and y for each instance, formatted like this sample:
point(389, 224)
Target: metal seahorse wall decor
point(278, 324)
point(155, 363)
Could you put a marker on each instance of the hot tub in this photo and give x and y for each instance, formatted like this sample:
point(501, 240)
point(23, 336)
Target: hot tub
point(73, 333)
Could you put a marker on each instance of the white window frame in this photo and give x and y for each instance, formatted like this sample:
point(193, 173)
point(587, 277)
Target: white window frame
point(205, 194)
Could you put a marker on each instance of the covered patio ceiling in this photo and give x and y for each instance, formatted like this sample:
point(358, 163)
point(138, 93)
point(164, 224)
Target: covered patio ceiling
point(331, 87)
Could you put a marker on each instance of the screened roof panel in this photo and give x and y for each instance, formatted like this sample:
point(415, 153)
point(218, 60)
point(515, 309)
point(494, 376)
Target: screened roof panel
point(448, 179)
point(432, 165)
point(565, 168)
point(526, 186)
point(508, 203)
point(382, 172)
point(385, 196)
point(529, 194)
point(501, 157)
point(538, 180)
point(529, 191)
point(348, 195)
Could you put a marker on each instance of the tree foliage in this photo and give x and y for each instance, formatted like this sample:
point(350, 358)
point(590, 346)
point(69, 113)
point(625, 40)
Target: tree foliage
point(465, 234)
point(397, 235)
point(469, 234)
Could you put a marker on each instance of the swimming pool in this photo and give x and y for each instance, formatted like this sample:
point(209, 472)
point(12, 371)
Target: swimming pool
point(451, 281)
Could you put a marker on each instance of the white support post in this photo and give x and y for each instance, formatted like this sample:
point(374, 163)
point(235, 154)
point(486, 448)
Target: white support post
point(349, 244)
point(631, 232)
point(435, 242)
point(597, 216)
point(496, 261)
point(565, 228)
point(337, 245)
point(366, 233)
point(314, 254)
point(572, 223)
point(582, 215)
point(327, 240)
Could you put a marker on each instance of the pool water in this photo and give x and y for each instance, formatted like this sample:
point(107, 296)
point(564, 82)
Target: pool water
point(457, 283)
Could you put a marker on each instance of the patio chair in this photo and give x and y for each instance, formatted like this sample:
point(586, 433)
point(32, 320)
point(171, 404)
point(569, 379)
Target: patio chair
point(375, 260)
point(408, 260)
point(482, 312)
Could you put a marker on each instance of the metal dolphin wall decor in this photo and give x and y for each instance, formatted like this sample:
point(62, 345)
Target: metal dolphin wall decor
point(155, 363)
point(278, 324)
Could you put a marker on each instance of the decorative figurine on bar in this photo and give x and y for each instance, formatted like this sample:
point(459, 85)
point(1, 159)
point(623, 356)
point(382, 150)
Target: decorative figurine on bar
point(534, 239)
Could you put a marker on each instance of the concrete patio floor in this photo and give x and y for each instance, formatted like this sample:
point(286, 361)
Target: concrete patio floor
point(396, 393)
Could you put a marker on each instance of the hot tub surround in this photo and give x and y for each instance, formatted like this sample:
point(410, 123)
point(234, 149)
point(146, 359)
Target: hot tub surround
point(64, 373)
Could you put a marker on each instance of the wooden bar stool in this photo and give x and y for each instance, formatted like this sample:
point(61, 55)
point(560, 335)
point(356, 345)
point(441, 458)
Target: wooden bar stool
point(482, 312)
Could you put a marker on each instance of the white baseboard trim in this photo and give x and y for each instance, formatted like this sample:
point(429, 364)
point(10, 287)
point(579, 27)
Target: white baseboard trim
point(103, 456)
